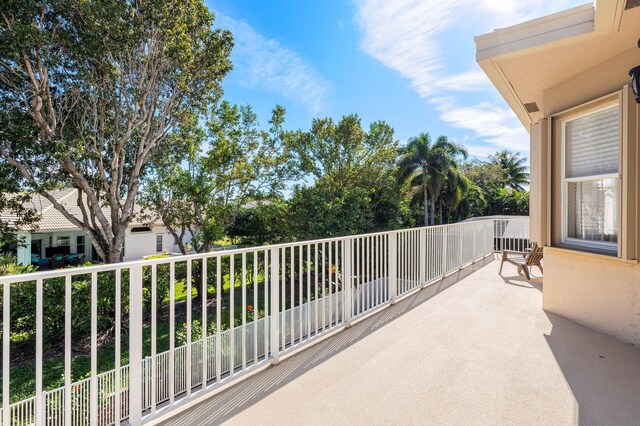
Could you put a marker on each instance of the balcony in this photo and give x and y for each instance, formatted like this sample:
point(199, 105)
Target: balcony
point(426, 329)
point(475, 348)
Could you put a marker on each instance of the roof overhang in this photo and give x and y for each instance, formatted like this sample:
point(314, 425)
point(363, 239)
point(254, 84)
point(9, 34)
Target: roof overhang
point(524, 60)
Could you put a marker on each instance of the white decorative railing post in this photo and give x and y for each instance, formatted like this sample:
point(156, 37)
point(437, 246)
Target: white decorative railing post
point(445, 253)
point(461, 229)
point(347, 284)
point(274, 318)
point(475, 232)
point(39, 411)
point(6, 363)
point(93, 382)
point(422, 259)
point(67, 350)
point(393, 266)
point(135, 344)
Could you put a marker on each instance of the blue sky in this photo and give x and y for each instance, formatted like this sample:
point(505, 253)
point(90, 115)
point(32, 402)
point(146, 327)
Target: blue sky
point(410, 63)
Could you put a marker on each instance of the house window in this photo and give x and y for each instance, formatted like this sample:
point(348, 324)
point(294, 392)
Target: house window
point(80, 244)
point(158, 243)
point(63, 241)
point(139, 229)
point(591, 146)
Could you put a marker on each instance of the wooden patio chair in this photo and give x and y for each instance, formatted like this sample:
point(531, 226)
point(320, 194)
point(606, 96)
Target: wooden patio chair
point(523, 260)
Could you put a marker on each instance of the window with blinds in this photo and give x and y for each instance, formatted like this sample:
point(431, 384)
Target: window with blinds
point(592, 146)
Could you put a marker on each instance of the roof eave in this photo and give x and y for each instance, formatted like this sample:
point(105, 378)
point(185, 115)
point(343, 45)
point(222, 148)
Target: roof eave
point(565, 27)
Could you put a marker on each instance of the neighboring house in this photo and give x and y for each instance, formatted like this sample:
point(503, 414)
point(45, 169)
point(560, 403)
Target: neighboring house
point(54, 235)
point(566, 77)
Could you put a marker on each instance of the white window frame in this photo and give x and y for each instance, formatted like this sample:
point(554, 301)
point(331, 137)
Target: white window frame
point(161, 243)
point(62, 237)
point(598, 245)
point(84, 244)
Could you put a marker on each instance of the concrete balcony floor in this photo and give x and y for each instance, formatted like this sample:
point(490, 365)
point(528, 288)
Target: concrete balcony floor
point(475, 349)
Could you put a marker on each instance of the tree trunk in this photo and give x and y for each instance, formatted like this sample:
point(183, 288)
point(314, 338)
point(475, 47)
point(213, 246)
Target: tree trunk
point(426, 205)
point(197, 282)
point(440, 212)
point(115, 253)
point(433, 212)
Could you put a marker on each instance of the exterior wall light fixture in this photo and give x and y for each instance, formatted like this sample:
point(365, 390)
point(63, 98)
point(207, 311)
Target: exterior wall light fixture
point(635, 79)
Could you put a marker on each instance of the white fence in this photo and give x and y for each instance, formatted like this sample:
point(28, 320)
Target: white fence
point(301, 284)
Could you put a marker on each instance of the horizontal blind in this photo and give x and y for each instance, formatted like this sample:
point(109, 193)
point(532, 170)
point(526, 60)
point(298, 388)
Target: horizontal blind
point(592, 144)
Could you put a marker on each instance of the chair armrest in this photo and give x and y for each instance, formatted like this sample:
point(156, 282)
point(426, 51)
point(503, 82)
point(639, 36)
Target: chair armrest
point(521, 253)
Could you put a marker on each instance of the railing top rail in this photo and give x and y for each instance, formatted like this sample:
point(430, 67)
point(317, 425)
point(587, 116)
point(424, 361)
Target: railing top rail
point(83, 270)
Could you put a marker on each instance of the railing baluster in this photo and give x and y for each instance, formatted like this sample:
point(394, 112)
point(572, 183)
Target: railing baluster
point(244, 311)
point(317, 276)
point(336, 274)
point(268, 310)
point(393, 262)
point(300, 275)
point(292, 297)
point(274, 318)
point(324, 281)
point(369, 273)
point(218, 318)
point(188, 339)
point(256, 309)
point(118, 349)
point(347, 290)
point(232, 317)
point(358, 257)
point(94, 350)
point(330, 283)
point(135, 345)
point(67, 350)
point(39, 406)
point(205, 324)
point(154, 337)
point(172, 331)
point(308, 291)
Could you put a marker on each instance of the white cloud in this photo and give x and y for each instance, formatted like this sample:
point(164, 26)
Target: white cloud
point(473, 80)
point(264, 63)
point(403, 35)
point(498, 127)
point(410, 36)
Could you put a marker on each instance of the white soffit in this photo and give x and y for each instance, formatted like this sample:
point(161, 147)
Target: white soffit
point(567, 27)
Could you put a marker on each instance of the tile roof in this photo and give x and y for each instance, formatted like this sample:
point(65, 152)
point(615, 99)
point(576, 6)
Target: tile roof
point(52, 219)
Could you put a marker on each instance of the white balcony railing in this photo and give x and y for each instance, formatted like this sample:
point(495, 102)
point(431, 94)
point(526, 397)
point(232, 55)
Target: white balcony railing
point(302, 291)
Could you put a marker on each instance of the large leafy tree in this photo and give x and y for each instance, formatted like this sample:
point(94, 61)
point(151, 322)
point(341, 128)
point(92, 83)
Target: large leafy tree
point(426, 165)
point(227, 164)
point(492, 179)
point(263, 223)
point(103, 85)
point(354, 188)
point(514, 166)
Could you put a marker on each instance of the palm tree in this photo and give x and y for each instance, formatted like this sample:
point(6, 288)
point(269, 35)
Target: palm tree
point(514, 167)
point(452, 193)
point(425, 165)
point(472, 202)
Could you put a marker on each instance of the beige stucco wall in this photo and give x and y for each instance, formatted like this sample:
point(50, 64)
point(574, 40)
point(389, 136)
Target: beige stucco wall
point(597, 291)
point(601, 292)
point(587, 85)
